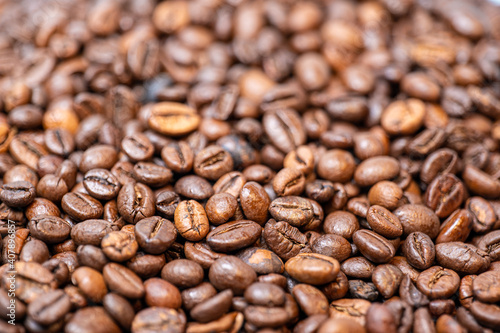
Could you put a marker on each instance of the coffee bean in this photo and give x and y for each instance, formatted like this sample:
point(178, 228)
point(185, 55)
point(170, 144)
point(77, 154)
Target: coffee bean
point(90, 282)
point(119, 309)
point(233, 236)
point(119, 245)
point(384, 222)
point(419, 250)
point(284, 129)
point(351, 309)
point(286, 241)
point(183, 273)
point(312, 268)
point(155, 234)
point(50, 229)
point(376, 169)
point(336, 166)
point(201, 253)
point(403, 117)
point(101, 184)
point(438, 282)
point(173, 119)
point(289, 182)
point(262, 261)
point(483, 214)
point(91, 232)
point(18, 194)
point(457, 227)
point(178, 156)
point(373, 246)
point(81, 206)
point(387, 279)
point(135, 202)
point(50, 308)
point(418, 218)
point(295, 210)
point(310, 299)
point(444, 194)
point(254, 202)
point(194, 187)
point(333, 246)
point(101, 322)
point(191, 220)
point(213, 308)
point(462, 257)
point(166, 203)
point(232, 273)
point(123, 281)
point(158, 319)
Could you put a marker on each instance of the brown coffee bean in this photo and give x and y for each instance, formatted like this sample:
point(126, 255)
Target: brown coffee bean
point(387, 279)
point(312, 268)
point(173, 119)
point(376, 169)
point(194, 187)
point(17, 194)
point(358, 267)
point(119, 245)
point(341, 223)
point(212, 308)
point(160, 293)
point(232, 273)
point(212, 162)
point(159, 319)
point(123, 281)
point(483, 214)
point(351, 309)
point(418, 218)
point(289, 182)
point(284, 129)
point(457, 227)
point(382, 221)
point(438, 282)
point(262, 261)
point(333, 246)
point(100, 323)
point(50, 229)
point(220, 208)
point(50, 308)
point(336, 165)
point(310, 299)
point(444, 194)
point(91, 232)
point(183, 273)
point(403, 117)
point(283, 239)
point(297, 211)
point(90, 282)
point(154, 234)
point(191, 220)
point(489, 243)
point(234, 235)
point(419, 250)
point(462, 257)
point(81, 206)
point(373, 246)
point(135, 202)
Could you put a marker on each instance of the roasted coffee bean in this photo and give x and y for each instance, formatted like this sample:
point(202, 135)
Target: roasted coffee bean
point(90, 282)
point(135, 202)
point(351, 309)
point(376, 169)
point(490, 243)
point(444, 194)
point(91, 232)
point(262, 261)
point(289, 182)
point(212, 162)
point(193, 296)
point(50, 229)
point(310, 299)
point(81, 206)
point(336, 165)
point(194, 187)
point(119, 245)
point(387, 279)
point(101, 322)
point(91, 256)
point(183, 273)
point(166, 203)
point(231, 183)
point(373, 246)
point(152, 174)
point(457, 227)
point(230, 272)
point(384, 222)
point(17, 194)
point(312, 268)
point(341, 223)
point(438, 282)
point(418, 218)
point(101, 184)
point(233, 236)
point(123, 281)
point(173, 119)
point(254, 202)
point(295, 210)
point(419, 250)
point(212, 308)
point(50, 308)
point(286, 241)
point(358, 267)
point(486, 314)
point(119, 309)
point(422, 321)
point(155, 234)
point(483, 214)
point(462, 257)
point(386, 194)
point(410, 294)
point(191, 220)
point(333, 246)
point(201, 253)
point(178, 156)
point(284, 129)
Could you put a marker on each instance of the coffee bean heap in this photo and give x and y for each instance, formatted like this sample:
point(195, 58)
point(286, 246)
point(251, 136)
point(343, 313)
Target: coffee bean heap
point(250, 166)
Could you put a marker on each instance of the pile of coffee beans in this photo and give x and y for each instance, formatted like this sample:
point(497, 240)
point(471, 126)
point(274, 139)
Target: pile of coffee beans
point(269, 166)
